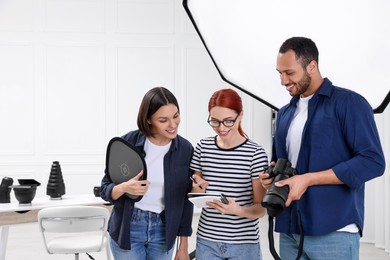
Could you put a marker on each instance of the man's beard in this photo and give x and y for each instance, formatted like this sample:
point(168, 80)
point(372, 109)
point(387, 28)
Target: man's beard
point(303, 84)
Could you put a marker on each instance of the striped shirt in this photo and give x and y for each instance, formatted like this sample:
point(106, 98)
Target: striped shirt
point(229, 171)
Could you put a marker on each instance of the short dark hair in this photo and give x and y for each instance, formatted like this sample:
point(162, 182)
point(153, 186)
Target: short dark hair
point(152, 101)
point(305, 49)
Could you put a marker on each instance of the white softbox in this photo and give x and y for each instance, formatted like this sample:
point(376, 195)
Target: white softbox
point(243, 37)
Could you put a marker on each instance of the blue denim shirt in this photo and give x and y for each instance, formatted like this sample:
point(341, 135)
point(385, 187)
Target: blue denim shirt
point(178, 209)
point(339, 134)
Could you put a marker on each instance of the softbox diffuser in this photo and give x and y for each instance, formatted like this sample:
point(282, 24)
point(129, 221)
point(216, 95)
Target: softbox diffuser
point(124, 162)
point(243, 38)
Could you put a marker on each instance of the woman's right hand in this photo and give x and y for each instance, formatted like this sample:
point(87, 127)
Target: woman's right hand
point(134, 186)
point(199, 185)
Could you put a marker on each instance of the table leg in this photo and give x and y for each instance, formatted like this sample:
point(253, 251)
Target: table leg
point(3, 241)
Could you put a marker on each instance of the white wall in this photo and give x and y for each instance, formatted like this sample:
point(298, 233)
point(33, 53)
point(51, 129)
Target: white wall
point(72, 75)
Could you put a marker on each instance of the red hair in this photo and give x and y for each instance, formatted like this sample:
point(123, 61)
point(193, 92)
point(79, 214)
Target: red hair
point(230, 99)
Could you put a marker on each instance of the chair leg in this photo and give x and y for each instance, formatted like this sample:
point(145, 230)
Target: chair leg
point(108, 248)
point(108, 252)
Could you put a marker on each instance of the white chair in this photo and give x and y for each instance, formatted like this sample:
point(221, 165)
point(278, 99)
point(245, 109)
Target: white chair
point(74, 229)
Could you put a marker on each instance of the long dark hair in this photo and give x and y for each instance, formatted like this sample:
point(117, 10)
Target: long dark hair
point(152, 101)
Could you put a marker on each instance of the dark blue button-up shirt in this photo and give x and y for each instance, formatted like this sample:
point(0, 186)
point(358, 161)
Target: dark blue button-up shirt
point(177, 183)
point(339, 134)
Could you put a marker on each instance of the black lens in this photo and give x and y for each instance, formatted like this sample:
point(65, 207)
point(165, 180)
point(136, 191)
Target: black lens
point(274, 204)
point(275, 199)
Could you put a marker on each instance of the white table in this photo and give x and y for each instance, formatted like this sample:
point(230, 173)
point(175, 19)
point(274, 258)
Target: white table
point(14, 211)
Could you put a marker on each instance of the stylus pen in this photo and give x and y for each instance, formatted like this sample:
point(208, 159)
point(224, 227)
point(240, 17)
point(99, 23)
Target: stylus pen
point(192, 179)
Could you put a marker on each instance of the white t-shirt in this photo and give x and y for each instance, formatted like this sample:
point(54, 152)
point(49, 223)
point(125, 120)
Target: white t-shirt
point(294, 135)
point(153, 199)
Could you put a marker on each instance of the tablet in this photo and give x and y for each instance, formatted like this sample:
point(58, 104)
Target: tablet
point(200, 199)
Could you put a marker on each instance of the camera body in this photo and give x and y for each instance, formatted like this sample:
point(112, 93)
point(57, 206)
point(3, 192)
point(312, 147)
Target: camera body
point(275, 198)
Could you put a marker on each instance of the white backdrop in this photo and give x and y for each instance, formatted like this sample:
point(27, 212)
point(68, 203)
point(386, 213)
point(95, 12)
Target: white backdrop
point(72, 75)
point(244, 35)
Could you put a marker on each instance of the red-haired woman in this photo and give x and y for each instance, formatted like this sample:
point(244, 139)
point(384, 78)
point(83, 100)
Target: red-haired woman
point(229, 163)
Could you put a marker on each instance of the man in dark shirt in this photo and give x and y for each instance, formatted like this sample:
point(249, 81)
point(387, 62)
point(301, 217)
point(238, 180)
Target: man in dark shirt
point(329, 135)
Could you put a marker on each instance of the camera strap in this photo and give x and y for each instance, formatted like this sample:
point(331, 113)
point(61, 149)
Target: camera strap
point(271, 237)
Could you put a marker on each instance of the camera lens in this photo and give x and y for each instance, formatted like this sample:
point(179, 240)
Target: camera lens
point(274, 204)
point(275, 199)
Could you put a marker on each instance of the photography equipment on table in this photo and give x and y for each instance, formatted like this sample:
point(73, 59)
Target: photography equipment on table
point(25, 191)
point(96, 191)
point(55, 186)
point(5, 189)
point(124, 162)
point(275, 201)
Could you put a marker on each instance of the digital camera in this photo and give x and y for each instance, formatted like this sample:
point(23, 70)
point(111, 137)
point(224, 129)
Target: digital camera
point(275, 198)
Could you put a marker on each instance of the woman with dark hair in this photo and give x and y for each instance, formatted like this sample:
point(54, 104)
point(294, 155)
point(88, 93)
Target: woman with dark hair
point(229, 164)
point(147, 229)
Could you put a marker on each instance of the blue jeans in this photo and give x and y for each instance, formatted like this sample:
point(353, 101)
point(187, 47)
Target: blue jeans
point(334, 246)
point(147, 238)
point(210, 250)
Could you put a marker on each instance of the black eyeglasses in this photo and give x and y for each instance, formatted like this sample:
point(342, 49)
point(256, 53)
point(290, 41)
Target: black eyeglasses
point(217, 123)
